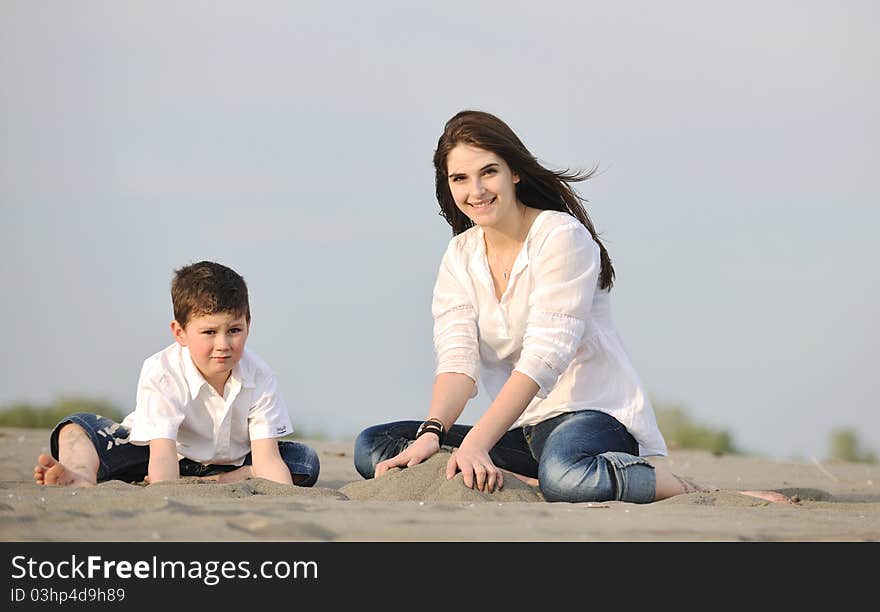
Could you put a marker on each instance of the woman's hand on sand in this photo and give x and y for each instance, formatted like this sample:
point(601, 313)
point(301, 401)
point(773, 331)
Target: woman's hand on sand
point(422, 448)
point(476, 469)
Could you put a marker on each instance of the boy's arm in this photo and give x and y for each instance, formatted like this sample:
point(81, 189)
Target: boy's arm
point(267, 461)
point(163, 460)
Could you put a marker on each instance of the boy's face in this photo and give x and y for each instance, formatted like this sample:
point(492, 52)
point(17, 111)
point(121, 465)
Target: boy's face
point(215, 341)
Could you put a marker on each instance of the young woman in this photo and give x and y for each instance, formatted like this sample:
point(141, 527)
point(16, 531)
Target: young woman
point(521, 302)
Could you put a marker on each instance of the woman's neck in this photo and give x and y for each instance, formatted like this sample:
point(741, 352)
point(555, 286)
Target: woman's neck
point(512, 234)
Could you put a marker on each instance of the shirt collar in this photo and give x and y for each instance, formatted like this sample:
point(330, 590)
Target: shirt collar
point(242, 373)
point(480, 264)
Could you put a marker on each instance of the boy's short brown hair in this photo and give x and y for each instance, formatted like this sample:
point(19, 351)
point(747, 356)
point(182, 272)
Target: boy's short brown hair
point(207, 288)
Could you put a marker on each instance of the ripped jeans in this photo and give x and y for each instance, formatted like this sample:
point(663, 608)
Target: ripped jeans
point(585, 456)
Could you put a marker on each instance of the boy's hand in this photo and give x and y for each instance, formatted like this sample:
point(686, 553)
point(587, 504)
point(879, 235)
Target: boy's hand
point(423, 448)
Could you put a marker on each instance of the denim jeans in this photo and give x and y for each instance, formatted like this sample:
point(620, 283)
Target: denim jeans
point(119, 460)
point(585, 456)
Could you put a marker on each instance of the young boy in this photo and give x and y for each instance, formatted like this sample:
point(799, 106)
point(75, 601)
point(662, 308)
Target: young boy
point(206, 406)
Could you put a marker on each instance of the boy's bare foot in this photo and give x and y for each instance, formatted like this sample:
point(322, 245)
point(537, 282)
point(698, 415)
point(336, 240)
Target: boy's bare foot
point(51, 472)
point(212, 478)
point(241, 473)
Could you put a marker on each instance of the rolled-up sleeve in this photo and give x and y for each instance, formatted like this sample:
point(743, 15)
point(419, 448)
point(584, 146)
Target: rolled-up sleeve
point(268, 416)
point(566, 271)
point(456, 343)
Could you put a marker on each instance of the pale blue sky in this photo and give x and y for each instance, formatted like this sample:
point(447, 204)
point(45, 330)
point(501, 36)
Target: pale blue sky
point(292, 141)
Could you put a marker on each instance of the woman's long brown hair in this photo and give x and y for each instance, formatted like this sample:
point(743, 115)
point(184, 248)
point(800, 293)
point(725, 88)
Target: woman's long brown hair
point(538, 187)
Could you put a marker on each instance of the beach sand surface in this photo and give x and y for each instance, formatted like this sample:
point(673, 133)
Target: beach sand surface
point(834, 501)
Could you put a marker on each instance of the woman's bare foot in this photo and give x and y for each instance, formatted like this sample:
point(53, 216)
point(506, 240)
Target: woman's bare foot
point(669, 485)
point(532, 482)
point(770, 496)
point(51, 472)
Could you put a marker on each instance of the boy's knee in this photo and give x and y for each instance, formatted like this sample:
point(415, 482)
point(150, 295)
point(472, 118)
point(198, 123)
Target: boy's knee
point(79, 419)
point(87, 422)
point(302, 461)
point(304, 480)
point(71, 426)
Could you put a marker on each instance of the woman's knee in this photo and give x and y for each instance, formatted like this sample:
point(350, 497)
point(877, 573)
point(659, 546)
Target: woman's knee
point(380, 442)
point(364, 452)
point(578, 481)
point(609, 476)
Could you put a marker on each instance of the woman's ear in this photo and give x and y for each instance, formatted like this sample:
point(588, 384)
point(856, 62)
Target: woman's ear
point(179, 333)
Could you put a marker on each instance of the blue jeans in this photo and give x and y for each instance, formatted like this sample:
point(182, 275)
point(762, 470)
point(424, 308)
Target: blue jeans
point(119, 460)
point(585, 456)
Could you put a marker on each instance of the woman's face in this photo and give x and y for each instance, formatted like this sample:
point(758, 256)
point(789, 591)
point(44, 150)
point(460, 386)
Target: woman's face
point(482, 185)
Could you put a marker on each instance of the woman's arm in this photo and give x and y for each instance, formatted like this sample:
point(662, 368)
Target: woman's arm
point(267, 461)
point(510, 403)
point(472, 457)
point(450, 394)
point(448, 398)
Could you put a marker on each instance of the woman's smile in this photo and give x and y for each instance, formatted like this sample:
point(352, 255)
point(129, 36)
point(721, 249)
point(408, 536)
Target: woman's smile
point(482, 203)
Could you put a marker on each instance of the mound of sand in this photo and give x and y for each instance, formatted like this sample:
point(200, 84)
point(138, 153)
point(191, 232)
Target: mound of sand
point(427, 482)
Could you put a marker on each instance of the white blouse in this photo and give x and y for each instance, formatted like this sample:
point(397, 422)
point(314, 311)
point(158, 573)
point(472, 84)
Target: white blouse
point(174, 401)
point(552, 324)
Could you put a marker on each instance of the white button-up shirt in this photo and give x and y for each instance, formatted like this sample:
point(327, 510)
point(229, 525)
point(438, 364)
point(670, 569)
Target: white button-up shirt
point(174, 401)
point(552, 323)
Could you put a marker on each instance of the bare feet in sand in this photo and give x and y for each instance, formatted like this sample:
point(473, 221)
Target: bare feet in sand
point(51, 472)
point(689, 487)
point(770, 496)
point(532, 482)
point(242, 473)
point(669, 484)
point(247, 471)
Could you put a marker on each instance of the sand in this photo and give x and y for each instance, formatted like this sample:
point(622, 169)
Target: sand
point(834, 502)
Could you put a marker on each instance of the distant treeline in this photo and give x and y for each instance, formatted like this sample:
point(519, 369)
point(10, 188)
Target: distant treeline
point(23, 414)
point(681, 431)
point(676, 423)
